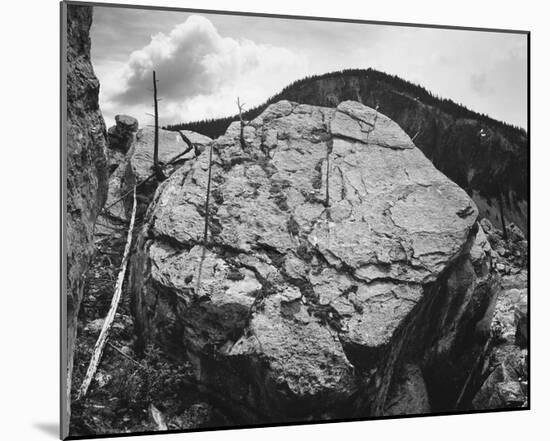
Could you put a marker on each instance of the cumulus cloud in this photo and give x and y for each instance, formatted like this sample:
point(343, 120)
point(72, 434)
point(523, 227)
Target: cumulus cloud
point(205, 62)
point(201, 72)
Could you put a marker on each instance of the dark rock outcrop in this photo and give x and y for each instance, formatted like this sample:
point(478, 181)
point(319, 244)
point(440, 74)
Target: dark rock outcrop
point(121, 135)
point(503, 377)
point(408, 395)
point(86, 164)
point(337, 256)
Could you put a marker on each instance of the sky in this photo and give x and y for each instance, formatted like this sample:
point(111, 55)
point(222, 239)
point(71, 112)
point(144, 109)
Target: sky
point(205, 61)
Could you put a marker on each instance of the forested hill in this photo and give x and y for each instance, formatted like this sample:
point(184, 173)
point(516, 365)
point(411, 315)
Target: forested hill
point(486, 157)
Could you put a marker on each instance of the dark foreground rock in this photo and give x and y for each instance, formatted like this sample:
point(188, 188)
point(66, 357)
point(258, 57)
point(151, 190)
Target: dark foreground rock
point(121, 135)
point(129, 385)
point(408, 395)
point(503, 376)
point(337, 255)
point(86, 165)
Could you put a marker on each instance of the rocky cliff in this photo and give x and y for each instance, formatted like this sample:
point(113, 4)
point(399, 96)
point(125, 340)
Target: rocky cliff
point(86, 164)
point(487, 158)
point(342, 274)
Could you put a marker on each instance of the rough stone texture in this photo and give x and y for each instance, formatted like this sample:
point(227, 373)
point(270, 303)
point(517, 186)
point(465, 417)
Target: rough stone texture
point(114, 210)
point(503, 377)
point(136, 164)
point(353, 120)
point(121, 135)
point(514, 232)
point(171, 145)
point(448, 335)
point(484, 157)
point(332, 243)
point(86, 164)
point(505, 370)
point(506, 385)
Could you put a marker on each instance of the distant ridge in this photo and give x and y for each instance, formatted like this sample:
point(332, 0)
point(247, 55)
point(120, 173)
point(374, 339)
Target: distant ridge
point(214, 127)
point(486, 157)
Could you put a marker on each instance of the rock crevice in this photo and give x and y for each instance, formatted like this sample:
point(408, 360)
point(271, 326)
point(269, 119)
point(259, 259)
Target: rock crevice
point(86, 162)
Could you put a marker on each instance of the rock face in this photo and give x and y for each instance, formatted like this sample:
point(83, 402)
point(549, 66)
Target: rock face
point(505, 370)
point(408, 395)
point(504, 373)
point(336, 255)
point(86, 164)
point(486, 158)
point(136, 165)
point(121, 135)
point(172, 146)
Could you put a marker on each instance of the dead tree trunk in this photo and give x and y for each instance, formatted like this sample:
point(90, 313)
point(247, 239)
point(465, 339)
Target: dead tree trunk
point(156, 166)
point(104, 334)
point(206, 217)
point(207, 198)
point(416, 134)
point(327, 187)
point(241, 107)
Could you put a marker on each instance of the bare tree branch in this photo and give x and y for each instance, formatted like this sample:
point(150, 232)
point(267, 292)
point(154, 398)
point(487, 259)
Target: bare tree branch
point(189, 143)
point(207, 197)
point(241, 107)
point(156, 167)
point(158, 417)
point(127, 357)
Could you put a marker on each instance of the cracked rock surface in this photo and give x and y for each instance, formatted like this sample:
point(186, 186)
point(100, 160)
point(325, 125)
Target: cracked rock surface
point(327, 229)
point(136, 165)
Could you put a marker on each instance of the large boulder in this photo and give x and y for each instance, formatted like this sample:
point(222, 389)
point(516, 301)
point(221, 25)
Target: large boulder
point(456, 326)
point(86, 181)
point(121, 135)
point(336, 253)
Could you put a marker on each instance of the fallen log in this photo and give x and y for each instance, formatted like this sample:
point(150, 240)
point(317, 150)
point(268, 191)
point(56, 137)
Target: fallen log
point(104, 334)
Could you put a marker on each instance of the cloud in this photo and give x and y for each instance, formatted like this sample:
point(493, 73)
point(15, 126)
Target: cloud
point(200, 72)
point(205, 62)
point(480, 84)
